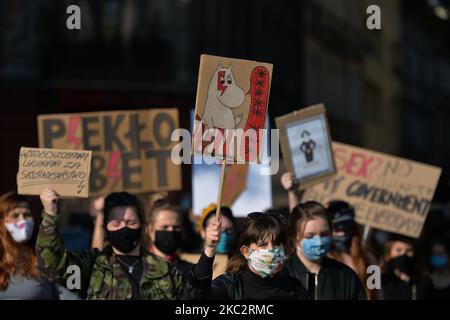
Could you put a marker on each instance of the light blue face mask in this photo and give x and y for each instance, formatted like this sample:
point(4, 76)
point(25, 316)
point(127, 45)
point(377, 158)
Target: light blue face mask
point(226, 242)
point(315, 248)
point(438, 261)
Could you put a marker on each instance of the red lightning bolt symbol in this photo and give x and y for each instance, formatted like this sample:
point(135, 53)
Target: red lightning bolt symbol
point(113, 170)
point(220, 86)
point(74, 121)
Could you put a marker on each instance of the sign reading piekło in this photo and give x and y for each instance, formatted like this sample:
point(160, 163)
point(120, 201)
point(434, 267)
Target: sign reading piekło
point(130, 149)
point(388, 193)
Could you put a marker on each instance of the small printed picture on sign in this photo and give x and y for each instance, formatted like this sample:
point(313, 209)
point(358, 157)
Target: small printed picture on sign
point(308, 142)
point(231, 108)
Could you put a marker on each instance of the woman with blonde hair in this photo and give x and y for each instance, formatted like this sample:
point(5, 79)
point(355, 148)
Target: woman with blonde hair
point(309, 233)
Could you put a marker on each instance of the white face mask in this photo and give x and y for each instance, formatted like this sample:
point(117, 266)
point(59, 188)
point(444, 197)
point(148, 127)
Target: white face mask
point(20, 231)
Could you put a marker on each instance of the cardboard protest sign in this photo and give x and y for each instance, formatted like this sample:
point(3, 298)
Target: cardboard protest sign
point(388, 193)
point(219, 265)
point(231, 108)
point(130, 149)
point(306, 145)
point(65, 171)
point(235, 183)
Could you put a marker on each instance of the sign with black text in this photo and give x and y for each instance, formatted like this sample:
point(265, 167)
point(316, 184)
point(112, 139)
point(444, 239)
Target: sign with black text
point(388, 193)
point(130, 149)
point(65, 171)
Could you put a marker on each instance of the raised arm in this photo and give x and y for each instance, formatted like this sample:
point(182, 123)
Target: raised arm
point(98, 236)
point(290, 184)
point(200, 284)
point(53, 259)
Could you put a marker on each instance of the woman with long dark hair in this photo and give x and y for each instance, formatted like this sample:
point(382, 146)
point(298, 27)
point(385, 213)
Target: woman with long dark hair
point(402, 278)
point(254, 273)
point(347, 245)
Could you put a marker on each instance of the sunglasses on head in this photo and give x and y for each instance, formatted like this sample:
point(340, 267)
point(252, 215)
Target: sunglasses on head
point(256, 215)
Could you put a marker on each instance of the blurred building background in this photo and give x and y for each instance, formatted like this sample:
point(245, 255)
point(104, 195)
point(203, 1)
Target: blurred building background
point(386, 90)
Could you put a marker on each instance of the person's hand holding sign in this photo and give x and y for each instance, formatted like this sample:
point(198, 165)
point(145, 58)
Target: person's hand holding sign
point(288, 181)
point(96, 209)
point(291, 184)
point(49, 199)
point(212, 237)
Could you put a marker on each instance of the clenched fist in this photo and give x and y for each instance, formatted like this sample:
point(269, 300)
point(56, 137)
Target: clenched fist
point(212, 236)
point(49, 199)
point(97, 206)
point(289, 182)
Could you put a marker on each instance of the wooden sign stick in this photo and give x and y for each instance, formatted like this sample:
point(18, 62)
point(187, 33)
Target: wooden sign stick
point(219, 197)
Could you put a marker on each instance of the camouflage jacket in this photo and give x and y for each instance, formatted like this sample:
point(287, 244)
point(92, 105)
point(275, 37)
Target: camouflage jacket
point(102, 277)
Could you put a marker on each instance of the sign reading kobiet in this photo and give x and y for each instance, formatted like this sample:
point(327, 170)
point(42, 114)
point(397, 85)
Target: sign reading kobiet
point(388, 193)
point(65, 171)
point(130, 149)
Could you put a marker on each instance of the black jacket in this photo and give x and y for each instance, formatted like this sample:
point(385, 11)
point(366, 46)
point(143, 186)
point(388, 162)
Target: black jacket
point(335, 281)
point(230, 286)
point(184, 267)
point(393, 288)
point(241, 286)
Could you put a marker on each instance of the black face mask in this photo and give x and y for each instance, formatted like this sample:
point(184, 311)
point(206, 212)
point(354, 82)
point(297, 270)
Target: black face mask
point(168, 241)
point(403, 263)
point(342, 243)
point(125, 239)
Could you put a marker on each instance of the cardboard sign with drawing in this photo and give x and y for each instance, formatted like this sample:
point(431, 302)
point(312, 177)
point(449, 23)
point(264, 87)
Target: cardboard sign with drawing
point(231, 94)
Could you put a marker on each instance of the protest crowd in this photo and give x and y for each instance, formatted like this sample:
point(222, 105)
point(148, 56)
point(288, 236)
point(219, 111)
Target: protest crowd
point(204, 151)
point(363, 238)
point(310, 251)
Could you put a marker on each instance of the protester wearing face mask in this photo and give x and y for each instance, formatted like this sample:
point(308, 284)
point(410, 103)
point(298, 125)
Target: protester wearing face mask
point(309, 232)
point(401, 278)
point(124, 270)
point(440, 268)
point(166, 233)
point(19, 279)
point(252, 274)
point(164, 230)
point(228, 236)
point(346, 244)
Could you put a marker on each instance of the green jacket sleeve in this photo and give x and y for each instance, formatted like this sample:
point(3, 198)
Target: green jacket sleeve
point(71, 270)
point(178, 282)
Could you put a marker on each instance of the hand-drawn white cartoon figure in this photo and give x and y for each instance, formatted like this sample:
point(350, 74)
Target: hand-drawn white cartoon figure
point(224, 94)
